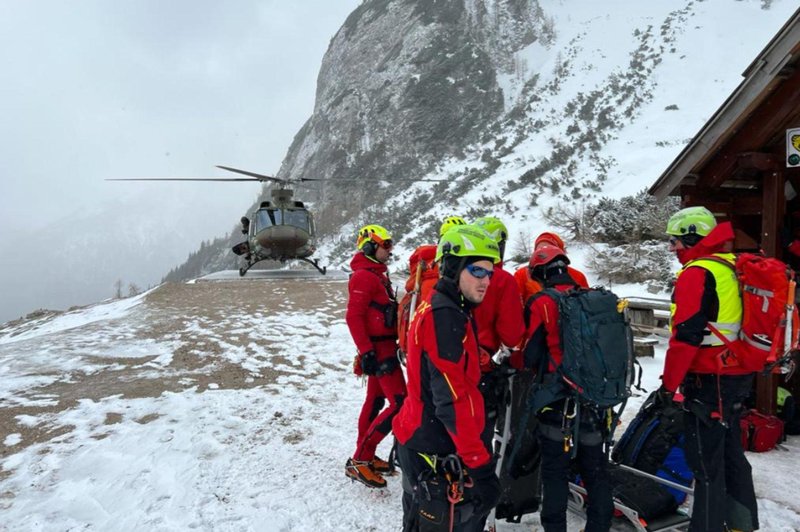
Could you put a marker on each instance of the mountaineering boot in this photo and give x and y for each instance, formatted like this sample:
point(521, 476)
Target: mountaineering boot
point(380, 465)
point(362, 472)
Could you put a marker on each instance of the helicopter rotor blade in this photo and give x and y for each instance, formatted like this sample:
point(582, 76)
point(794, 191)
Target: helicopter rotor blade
point(260, 177)
point(222, 179)
point(358, 180)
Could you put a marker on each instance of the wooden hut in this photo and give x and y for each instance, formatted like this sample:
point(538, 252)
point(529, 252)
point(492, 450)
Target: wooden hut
point(744, 164)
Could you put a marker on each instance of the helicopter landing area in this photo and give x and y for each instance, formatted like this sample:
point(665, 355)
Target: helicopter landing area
point(258, 275)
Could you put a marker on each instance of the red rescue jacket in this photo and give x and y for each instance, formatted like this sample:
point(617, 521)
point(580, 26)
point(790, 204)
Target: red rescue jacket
point(499, 315)
point(369, 289)
point(542, 336)
point(443, 412)
point(696, 303)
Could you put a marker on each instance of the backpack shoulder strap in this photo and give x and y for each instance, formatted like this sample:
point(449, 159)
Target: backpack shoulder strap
point(712, 258)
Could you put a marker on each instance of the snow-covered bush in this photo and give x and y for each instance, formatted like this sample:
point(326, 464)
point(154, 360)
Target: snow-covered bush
point(630, 219)
point(647, 262)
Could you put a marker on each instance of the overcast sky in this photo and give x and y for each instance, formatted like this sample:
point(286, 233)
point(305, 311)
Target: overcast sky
point(93, 89)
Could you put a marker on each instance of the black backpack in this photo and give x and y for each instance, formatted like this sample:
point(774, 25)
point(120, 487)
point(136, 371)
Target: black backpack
point(653, 443)
point(597, 347)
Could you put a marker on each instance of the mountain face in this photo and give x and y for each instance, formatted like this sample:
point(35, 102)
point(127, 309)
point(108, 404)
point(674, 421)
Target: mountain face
point(524, 109)
point(404, 85)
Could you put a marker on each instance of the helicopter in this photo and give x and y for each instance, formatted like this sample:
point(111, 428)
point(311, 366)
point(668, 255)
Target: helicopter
point(281, 229)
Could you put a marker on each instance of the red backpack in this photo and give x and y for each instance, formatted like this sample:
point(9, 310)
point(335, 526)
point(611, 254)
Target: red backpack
point(767, 286)
point(424, 274)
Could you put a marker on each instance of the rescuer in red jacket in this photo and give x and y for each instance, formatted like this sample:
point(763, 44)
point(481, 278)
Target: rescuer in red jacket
point(713, 385)
point(499, 320)
point(371, 317)
point(440, 423)
point(542, 353)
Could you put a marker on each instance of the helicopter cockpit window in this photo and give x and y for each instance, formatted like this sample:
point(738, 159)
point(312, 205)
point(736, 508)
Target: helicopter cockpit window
point(267, 218)
point(296, 218)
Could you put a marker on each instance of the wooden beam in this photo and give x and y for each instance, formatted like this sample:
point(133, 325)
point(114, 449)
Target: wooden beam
point(764, 162)
point(719, 202)
point(774, 205)
point(756, 132)
point(771, 222)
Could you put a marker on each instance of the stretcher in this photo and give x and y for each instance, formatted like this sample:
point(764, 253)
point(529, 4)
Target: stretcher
point(676, 521)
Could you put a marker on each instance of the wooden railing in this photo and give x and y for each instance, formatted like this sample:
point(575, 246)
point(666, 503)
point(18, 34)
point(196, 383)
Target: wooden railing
point(649, 316)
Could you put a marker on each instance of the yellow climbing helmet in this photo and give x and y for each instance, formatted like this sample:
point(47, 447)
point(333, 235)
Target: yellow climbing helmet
point(450, 222)
point(373, 233)
point(468, 241)
point(691, 221)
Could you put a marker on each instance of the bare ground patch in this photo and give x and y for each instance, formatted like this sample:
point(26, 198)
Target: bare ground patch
point(197, 362)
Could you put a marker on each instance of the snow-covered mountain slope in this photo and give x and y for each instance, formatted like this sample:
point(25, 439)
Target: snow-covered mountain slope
point(519, 106)
point(225, 406)
point(601, 110)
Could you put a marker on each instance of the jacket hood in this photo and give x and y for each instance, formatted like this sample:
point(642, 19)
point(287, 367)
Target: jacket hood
point(362, 262)
point(717, 241)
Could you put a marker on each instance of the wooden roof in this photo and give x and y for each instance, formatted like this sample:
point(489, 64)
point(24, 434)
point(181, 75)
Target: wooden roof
point(746, 135)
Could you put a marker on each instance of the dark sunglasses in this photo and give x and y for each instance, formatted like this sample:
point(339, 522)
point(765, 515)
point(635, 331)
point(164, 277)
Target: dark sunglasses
point(386, 244)
point(479, 272)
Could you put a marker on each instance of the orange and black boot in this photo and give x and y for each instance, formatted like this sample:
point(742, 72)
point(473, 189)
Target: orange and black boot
point(362, 472)
point(380, 465)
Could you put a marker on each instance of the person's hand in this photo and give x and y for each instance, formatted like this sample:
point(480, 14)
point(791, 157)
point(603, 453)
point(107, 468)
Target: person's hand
point(485, 360)
point(486, 488)
point(369, 363)
point(357, 369)
point(664, 397)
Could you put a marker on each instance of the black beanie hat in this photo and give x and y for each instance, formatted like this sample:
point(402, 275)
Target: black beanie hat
point(451, 265)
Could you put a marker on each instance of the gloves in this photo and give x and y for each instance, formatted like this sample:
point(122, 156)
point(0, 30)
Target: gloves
point(357, 369)
point(664, 398)
point(369, 363)
point(486, 488)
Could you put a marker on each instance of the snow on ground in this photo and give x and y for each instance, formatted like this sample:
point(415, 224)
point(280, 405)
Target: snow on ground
point(254, 438)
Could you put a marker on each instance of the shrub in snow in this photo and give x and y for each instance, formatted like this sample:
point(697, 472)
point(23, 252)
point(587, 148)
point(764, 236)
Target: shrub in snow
point(648, 262)
point(630, 219)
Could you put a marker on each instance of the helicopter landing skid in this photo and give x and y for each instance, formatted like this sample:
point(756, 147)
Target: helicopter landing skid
point(314, 263)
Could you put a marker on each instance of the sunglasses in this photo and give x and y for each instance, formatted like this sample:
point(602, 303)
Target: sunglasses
point(479, 272)
point(386, 244)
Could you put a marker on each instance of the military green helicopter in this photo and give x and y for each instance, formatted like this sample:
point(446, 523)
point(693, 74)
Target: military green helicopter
point(281, 229)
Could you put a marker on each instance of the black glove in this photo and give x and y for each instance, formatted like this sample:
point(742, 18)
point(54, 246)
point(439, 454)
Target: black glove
point(664, 397)
point(369, 363)
point(486, 488)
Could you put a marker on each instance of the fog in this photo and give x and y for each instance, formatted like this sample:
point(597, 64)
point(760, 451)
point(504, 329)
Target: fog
point(95, 89)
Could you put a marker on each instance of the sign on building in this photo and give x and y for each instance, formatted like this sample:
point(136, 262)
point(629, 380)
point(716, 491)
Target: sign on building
point(793, 147)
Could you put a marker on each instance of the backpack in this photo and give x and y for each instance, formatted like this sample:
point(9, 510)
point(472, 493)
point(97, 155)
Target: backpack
point(597, 346)
point(767, 286)
point(760, 432)
point(424, 275)
point(520, 478)
point(597, 361)
point(654, 443)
